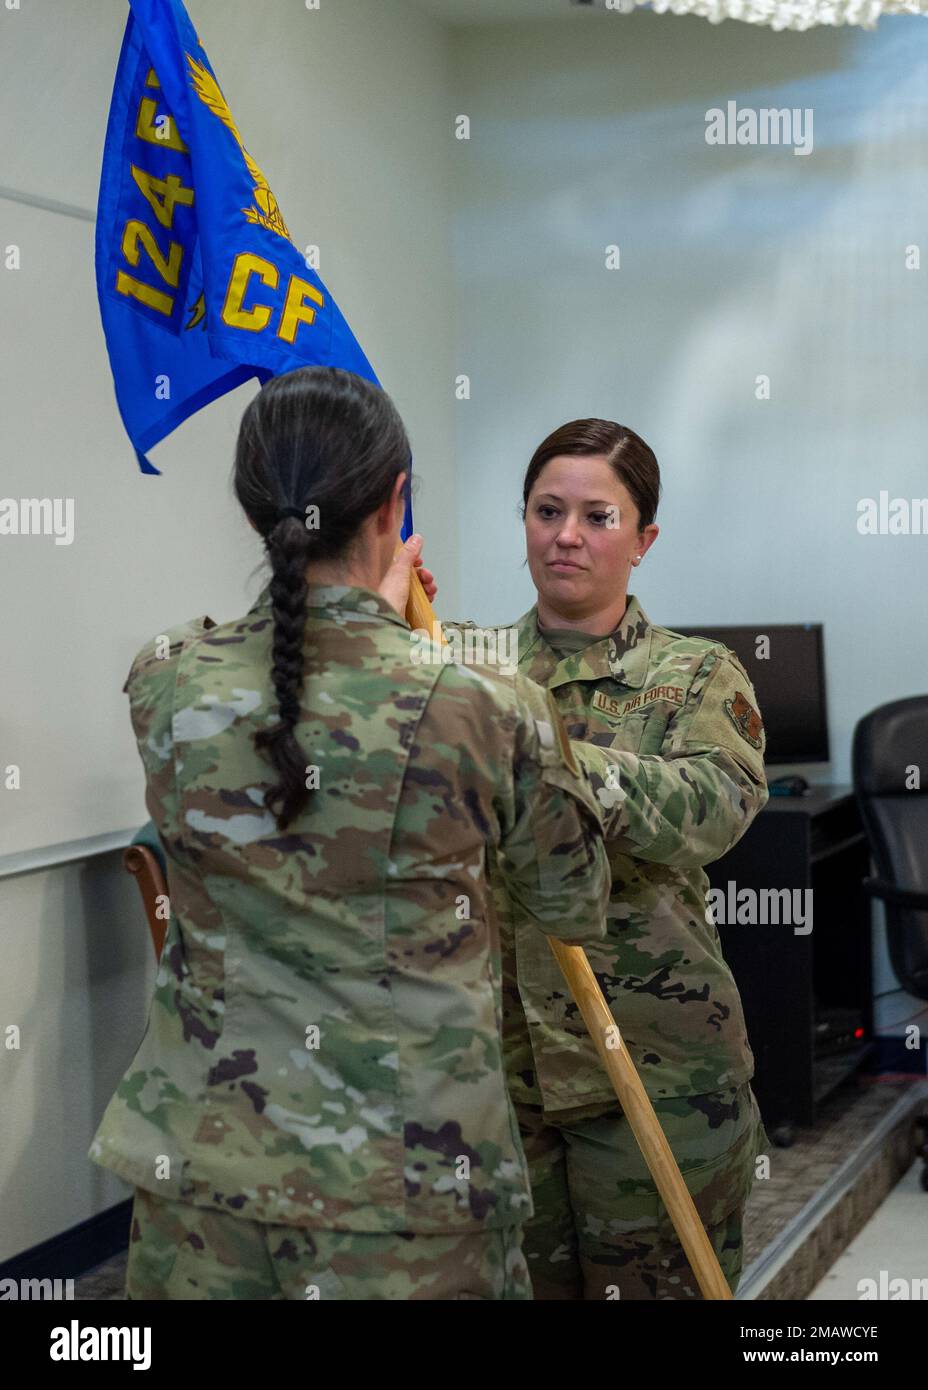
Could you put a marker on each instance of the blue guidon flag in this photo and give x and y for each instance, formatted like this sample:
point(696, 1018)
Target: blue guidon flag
point(199, 282)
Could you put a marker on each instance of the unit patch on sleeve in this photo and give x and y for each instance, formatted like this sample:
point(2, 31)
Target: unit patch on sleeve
point(745, 718)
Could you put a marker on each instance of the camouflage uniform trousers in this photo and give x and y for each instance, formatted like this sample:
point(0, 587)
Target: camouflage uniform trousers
point(181, 1251)
point(600, 1229)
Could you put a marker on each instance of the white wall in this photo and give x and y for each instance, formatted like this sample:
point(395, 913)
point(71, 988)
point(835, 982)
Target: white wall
point(78, 973)
point(735, 261)
point(348, 111)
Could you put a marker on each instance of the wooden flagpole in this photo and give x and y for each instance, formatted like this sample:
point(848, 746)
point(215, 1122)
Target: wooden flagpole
point(633, 1098)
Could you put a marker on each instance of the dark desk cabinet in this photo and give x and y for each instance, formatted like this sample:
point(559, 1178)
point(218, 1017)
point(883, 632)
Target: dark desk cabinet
point(807, 994)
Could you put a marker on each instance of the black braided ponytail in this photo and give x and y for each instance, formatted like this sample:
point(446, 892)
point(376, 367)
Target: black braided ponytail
point(324, 437)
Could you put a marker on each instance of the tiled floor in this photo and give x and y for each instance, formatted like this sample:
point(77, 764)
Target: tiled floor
point(829, 1185)
point(846, 1118)
point(893, 1244)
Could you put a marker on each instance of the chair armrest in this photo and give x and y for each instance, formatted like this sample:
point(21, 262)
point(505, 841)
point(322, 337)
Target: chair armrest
point(889, 893)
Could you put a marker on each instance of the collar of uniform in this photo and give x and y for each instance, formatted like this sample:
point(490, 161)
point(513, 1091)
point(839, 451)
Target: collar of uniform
point(340, 596)
point(623, 655)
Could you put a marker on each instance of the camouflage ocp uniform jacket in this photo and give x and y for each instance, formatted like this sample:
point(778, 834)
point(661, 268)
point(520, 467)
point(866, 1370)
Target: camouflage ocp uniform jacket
point(668, 729)
point(323, 1045)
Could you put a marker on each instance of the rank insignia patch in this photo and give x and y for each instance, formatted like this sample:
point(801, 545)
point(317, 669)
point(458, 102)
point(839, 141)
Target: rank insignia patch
point(745, 719)
point(560, 733)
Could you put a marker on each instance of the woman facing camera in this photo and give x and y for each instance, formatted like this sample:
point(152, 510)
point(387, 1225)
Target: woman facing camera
point(668, 729)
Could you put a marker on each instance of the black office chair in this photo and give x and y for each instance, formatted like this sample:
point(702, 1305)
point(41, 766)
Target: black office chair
point(890, 753)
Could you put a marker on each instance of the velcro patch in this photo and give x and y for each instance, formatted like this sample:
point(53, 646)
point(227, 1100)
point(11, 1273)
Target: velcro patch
point(745, 718)
point(616, 708)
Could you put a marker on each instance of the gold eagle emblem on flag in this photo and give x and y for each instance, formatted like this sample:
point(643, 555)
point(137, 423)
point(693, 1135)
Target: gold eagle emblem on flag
point(266, 212)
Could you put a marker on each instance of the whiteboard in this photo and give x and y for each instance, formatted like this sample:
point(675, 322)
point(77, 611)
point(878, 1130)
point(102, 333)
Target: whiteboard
point(147, 552)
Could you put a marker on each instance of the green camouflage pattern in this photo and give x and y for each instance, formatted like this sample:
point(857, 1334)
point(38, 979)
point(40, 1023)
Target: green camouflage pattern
point(600, 1229)
point(180, 1251)
point(323, 1044)
point(667, 727)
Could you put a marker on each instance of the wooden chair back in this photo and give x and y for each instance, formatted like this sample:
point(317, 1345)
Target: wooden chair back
point(140, 861)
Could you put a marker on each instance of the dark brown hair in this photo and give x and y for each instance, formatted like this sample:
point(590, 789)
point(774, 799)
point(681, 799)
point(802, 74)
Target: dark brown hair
point(631, 460)
point(317, 436)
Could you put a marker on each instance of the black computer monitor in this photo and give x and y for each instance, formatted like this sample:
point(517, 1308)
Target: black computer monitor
point(789, 683)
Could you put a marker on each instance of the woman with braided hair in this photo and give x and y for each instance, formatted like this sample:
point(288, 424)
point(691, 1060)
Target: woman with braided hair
point(318, 1107)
